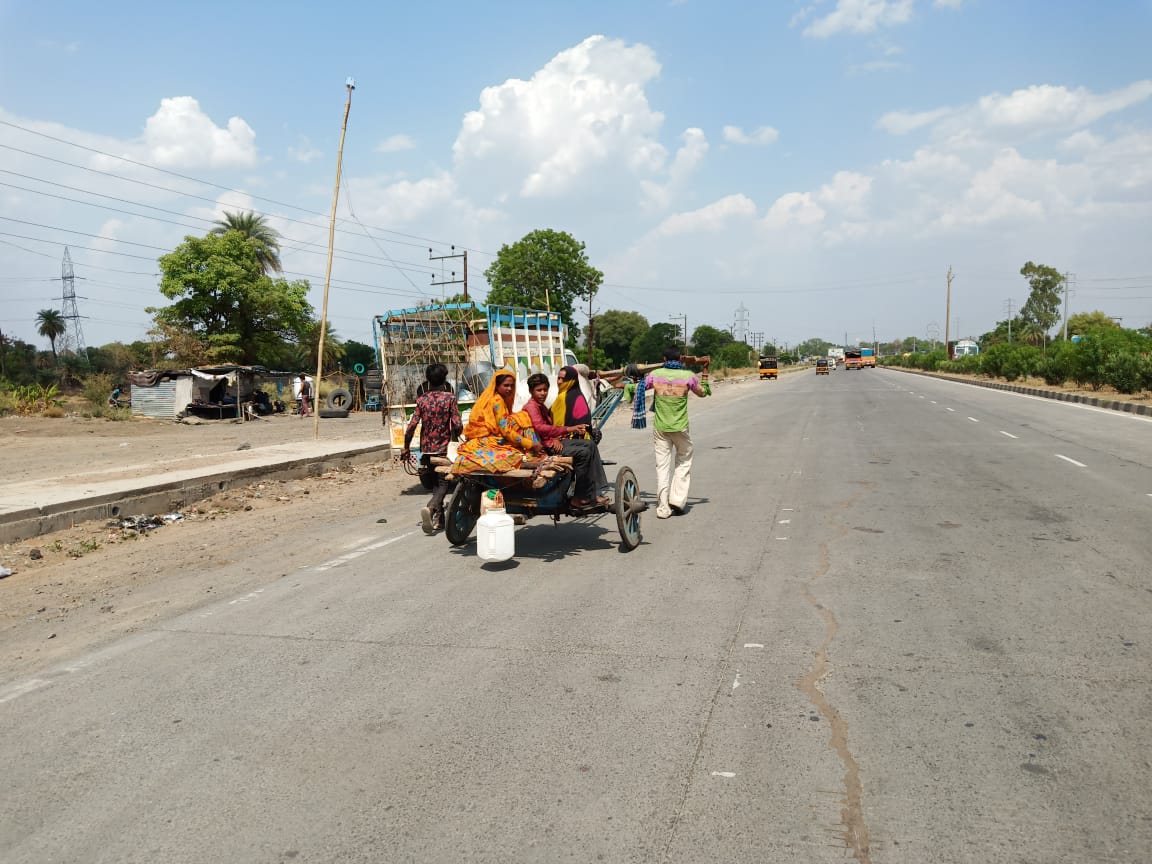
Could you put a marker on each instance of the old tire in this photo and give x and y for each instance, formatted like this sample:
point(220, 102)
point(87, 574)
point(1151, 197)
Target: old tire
point(459, 519)
point(629, 506)
point(339, 398)
point(333, 413)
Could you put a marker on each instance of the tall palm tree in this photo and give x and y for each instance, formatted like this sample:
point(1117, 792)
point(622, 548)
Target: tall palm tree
point(255, 228)
point(50, 325)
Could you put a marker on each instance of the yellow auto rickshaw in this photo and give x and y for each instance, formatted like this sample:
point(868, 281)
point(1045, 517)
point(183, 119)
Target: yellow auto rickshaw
point(768, 368)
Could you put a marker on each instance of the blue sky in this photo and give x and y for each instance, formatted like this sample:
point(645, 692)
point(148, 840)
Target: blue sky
point(821, 163)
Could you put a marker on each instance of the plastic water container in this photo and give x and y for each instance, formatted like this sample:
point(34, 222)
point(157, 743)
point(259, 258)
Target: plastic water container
point(495, 536)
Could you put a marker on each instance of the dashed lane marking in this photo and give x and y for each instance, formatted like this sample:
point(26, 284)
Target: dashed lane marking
point(949, 409)
point(356, 553)
point(973, 419)
point(753, 645)
point(1009, 434)
point(723, 773)
point(1073, 461)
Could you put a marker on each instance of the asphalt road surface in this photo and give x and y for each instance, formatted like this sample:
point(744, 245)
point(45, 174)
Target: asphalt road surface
point(903, 620)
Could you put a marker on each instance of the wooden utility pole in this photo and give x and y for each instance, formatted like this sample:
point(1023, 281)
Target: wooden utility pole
point(350, 85)
point(948, 317)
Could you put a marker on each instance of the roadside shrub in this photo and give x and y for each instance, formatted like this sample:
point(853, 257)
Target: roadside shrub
point(1126, 372)
point(97, 389)
point(53, 411)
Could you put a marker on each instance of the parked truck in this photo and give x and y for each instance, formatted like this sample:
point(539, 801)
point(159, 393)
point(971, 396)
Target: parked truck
point(473, 340)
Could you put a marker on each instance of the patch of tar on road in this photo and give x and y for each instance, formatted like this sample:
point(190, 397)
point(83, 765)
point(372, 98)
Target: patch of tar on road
point(854, 828)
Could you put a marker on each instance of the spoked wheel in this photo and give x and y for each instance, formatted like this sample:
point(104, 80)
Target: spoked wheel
point(629, 506)
point(459, 519)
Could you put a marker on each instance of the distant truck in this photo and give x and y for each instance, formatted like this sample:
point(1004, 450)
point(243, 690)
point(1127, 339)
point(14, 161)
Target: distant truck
point(836, 355)
point(965, 348)
point(867, 358)
point(852, 359)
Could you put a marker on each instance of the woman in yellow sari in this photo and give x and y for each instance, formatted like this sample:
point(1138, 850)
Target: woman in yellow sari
point(497, 438)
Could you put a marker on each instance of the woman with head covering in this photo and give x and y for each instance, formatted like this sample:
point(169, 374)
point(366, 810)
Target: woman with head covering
point(570, 407)
point(497, 438)
point(568, 440)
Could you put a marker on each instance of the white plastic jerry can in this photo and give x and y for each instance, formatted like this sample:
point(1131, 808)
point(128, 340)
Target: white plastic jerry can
point(495, 536)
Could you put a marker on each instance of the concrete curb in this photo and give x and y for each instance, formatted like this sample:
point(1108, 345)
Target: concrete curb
point(156, 495)
point(1060, 396)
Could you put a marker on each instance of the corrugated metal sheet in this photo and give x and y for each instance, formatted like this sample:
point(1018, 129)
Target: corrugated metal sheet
point(158, 401)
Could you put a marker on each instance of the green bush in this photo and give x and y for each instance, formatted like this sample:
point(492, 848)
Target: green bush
point(97, 388)
point(1126, 372)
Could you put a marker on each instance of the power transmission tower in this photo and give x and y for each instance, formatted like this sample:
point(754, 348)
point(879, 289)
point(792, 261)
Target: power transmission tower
point(1008, 307)
point(73, 339)
point(740, 327)
point(453, 280)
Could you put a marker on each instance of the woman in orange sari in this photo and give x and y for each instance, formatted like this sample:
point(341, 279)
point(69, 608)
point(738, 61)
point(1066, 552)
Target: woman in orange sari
point(497, 438)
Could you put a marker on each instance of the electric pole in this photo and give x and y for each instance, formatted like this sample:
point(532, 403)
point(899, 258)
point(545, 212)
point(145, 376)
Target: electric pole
point(684, 331)
point(1067, 278)
point(453, 280)
point(948, 317)
point(73, 334)
point(1009, 306)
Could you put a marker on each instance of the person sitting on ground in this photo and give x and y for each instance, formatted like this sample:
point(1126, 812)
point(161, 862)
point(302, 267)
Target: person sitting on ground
point(568, 440)
point(497, 437)
point(438, 417)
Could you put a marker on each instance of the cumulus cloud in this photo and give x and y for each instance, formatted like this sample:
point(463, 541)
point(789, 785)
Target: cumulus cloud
point(396, 144)
point(761, 135)
point(181, 135)
point(583, 112)
point(709, 219)
point(794, 208)
point(1039, 107)
point(303, 151)
point(860, 16)
point(947, 4)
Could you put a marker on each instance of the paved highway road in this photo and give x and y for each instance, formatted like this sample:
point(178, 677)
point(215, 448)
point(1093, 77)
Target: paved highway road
point(904, 620)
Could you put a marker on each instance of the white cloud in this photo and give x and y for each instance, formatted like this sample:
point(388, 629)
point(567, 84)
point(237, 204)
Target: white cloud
point(948, 4)
point(181, 135)
point(761, 135)
point(709, 219)
point(794, 208)
point(1030, 109)
point(847, 189)
point(903, 122)
point(860, 16)
point(1051, 106)
point(395, 144)
point(583, 115)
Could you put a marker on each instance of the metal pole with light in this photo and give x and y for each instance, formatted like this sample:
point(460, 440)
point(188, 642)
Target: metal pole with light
point(350, 85)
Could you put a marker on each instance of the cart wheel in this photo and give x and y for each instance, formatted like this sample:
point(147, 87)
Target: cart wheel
point(459, 520)
point(629, 506)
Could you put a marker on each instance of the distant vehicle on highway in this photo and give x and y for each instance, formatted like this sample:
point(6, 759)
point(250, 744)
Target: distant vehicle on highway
point(822, 366)
point(965, 348)
point(769, 368)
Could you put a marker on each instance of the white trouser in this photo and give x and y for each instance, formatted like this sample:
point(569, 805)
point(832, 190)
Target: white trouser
point(672, 480)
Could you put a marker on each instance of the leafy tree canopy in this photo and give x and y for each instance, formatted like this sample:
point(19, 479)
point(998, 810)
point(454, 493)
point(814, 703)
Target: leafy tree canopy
point(544, 269)
point(708, 340)
point(1082, 322)
point(50, 325)
point(615, 331)
point(649, 347)
point(224, 300)
point(357, 352)
point(1042, 308)
point(734, 355)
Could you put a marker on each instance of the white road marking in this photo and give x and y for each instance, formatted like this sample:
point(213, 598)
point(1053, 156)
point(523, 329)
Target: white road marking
point(1110, 411)
point(784, 522)
point(1073, 461)
point(933, 401)
point(19, 690)
point(949, 409)
point(758, 645)
point(1149, 494)
point(786, 509)
point(723, 773)
point(356, 553)
point(1009, 434)
point(253, 595)
point(973, 419)
point(736, 683)
point(781, 538)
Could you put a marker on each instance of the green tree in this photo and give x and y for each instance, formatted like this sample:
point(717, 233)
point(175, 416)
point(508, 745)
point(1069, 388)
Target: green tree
point(708, 340)
point(615, 331)
point(357, 352)
point(50, 325)
point(224, 300)
point(258, 233)
point(814, 347)
point(1042, 308)
point(544, 269)
point(734, 355)
point(649, 347)
point(1082, 322)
